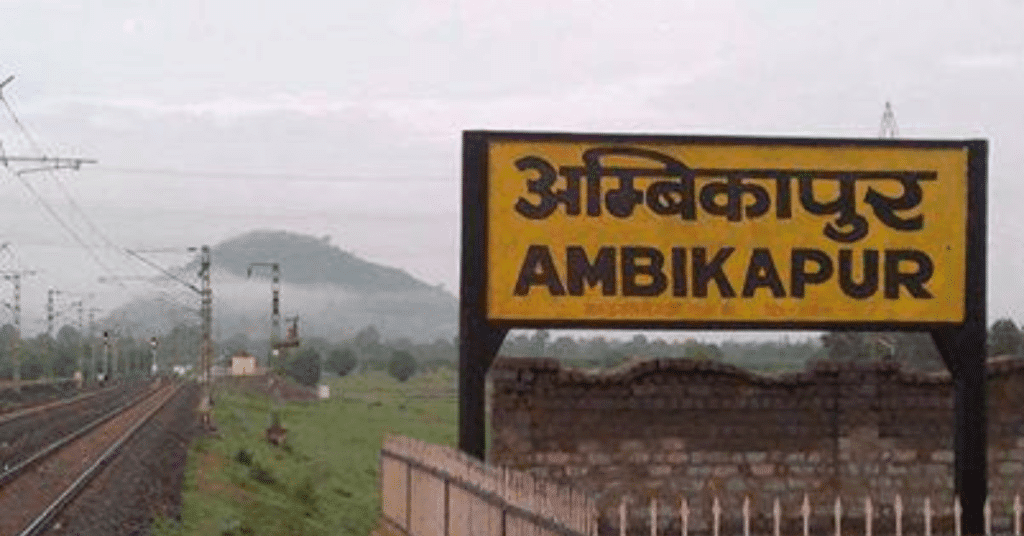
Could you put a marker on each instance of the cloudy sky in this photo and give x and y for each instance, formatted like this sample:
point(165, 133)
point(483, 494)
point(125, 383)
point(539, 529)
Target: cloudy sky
point(344, 118)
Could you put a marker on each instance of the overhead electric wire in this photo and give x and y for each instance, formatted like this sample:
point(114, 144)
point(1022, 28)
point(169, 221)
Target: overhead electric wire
point(34, 142)
point(53, 213)
point(207, 174)
point(163, 271)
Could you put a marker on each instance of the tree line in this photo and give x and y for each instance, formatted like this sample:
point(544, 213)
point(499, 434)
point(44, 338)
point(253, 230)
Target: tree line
point(58, 356)
point(368, 350)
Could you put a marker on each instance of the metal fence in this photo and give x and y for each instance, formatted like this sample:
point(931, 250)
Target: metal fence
point(867, 517)
point(430, 490)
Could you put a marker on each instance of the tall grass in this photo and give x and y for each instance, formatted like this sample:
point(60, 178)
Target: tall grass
point(324, 480)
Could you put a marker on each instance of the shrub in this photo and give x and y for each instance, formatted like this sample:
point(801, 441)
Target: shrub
point(341, 361)
point(243, 457)
point(305, 368)
point(262, 476)
point(402, 365)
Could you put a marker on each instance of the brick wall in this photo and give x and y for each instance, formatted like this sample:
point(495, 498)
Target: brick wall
point(674, 428)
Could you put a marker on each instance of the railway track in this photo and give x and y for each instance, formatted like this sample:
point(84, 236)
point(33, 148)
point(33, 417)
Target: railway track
point(27, 411)
point(26, 431)
point(34, 492)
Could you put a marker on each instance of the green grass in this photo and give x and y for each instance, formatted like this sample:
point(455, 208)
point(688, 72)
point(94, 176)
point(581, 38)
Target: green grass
point(324, 482)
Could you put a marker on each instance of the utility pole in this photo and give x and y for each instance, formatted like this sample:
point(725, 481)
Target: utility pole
point(206, 349)
point(15, 306)
point(79, 371)
point(105, 365)
point(92, 341)
point(206, 310)
point(152, 356)
point(275, 311)
point(50, 314)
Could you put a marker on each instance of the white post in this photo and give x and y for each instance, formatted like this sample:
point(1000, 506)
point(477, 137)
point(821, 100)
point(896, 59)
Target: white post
point(898, 508)
point(839, 517)
point(805, 510)
point(776, 517)
point(868, 517)
point(716, 512)
point(622, 517)
point(957, 511)
point(988, 517)
point(746, 516)
point(927, 516)
point(1016, 515)
point(654, 516)
point(684, 515)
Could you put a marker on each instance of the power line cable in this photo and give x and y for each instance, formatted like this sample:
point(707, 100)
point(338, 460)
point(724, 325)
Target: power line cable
point(34, 142)
point(53, 213)
point(208, 174)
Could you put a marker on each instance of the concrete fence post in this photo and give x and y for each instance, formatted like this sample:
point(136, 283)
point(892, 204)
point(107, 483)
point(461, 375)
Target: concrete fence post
point(898, 511)
point(684, 517)
point(927, 516)
point(957, 513)
point(1016, 515)
point(838, 511)
point(805, 510)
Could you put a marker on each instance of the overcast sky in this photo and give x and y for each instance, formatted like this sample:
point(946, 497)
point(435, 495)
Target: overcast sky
point(344, 118)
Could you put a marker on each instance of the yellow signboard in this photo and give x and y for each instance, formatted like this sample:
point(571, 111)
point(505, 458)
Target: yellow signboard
point(710, 232)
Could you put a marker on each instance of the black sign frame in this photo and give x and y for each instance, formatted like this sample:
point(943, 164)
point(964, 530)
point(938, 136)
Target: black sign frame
point(962, 345)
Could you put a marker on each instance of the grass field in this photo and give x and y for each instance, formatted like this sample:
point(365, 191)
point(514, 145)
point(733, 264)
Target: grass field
point(324, 481)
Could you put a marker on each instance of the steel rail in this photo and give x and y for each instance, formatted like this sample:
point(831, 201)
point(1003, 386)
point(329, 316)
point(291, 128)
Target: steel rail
point(41, 523)
point(22, 412)
point(42, 454)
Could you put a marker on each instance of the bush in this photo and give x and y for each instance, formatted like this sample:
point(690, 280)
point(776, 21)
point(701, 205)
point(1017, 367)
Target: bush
point(402, 365)
point(243, 457)
point(262, 476)
point(305, 368)
point(341, 361)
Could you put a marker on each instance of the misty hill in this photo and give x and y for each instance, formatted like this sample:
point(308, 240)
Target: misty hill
point(334, 293)
point(308, 260)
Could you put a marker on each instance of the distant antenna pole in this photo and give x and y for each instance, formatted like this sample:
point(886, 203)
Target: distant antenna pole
point(888, 128)
point(15, 306)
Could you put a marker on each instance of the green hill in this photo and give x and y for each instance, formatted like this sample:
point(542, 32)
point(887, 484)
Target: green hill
point(309, 260)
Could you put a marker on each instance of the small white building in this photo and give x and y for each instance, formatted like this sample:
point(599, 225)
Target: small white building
point(243, 364)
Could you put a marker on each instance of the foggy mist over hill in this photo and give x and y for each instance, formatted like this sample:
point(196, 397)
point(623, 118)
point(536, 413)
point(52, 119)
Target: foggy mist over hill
point(333, 292)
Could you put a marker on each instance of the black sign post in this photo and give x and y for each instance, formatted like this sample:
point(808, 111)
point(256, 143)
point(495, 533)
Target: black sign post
point(536, 162)
point(963, 348)
point(478, 340)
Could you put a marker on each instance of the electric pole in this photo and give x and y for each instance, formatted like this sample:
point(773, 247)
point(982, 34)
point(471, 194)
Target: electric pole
point(15, 306)
point(92, 341)
point(79, 371)
point(50, 314)
point(206, 309)
point(105, 365)
point(152, 356)
point(275, 311)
